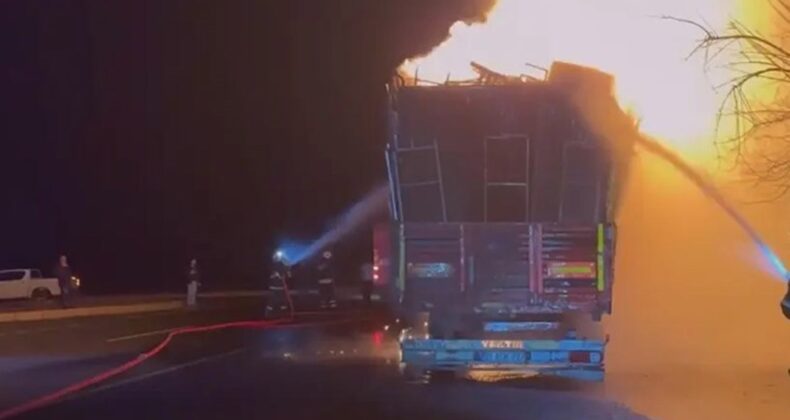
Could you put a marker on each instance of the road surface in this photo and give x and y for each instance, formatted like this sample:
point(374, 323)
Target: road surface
point(40, 356)
point(345, 370)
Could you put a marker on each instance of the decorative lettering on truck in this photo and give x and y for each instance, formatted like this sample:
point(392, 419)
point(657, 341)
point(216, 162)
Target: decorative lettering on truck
point(430, 270)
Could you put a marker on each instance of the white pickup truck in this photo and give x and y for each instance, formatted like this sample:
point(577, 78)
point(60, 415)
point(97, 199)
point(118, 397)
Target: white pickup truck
point(25, 283)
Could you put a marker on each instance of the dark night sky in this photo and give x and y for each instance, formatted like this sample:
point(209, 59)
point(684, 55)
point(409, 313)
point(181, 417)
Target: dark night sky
point(136, 133)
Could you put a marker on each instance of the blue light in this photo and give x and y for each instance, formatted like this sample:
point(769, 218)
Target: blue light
point(774, 260)
point(292, 252)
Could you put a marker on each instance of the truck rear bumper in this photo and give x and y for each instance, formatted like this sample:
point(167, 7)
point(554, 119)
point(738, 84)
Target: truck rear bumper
point(569, 358)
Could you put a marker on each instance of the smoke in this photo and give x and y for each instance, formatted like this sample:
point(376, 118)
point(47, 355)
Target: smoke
point(592, 94)
point(426, 24)
point(685, 303)
point(714, 194)
point(357, 216)
point(691, 302)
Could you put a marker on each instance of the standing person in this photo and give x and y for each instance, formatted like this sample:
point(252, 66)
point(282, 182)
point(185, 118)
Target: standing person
point(63, 273)
point(279, 300)
point(367, 276)
point(326, 281)
point(193, 282)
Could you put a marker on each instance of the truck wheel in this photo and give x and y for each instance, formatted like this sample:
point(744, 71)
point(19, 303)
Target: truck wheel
point(41, 294)
point(442, 375)
point(412, 374)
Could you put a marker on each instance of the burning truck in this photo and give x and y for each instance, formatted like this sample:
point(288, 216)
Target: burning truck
point(500, 246)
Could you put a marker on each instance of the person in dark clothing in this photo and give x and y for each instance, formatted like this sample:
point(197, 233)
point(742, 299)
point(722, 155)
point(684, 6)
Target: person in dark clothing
point(279, 300)
point(326, 281)
point(367, 276)
point(63, 273)
point(193, 282)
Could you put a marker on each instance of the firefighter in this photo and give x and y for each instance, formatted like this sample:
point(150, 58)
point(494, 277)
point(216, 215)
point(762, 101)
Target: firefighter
point(326, 281)
point(367, 276)
point(279, 301)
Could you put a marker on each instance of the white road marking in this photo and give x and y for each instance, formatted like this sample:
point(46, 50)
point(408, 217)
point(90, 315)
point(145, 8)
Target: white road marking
point(141, 335)
point(158, 373)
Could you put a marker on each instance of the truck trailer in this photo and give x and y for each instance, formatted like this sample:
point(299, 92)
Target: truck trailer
point(499, 249)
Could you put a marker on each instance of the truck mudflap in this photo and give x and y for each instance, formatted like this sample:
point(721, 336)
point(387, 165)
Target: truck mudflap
point(578, 359)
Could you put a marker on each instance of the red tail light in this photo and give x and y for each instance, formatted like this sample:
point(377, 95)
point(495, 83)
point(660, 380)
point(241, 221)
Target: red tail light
point(579, 357)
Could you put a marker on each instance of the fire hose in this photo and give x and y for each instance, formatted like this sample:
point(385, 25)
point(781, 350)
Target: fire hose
point(55, 396)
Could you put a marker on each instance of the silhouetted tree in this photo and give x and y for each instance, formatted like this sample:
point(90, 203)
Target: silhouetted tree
point(757, 134)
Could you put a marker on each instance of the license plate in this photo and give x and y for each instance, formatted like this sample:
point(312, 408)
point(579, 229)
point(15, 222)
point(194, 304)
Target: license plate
point(510, 357)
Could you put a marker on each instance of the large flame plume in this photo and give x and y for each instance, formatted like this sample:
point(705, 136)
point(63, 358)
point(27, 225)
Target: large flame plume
point(670, 92)
point(693, 295)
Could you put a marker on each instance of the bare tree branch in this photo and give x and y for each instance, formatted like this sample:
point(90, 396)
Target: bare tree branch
point(760, 142)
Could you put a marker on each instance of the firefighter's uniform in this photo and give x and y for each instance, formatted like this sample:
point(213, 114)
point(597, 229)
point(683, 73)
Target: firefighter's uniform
point(278, 286)
point(326, 281)
point(367, 276)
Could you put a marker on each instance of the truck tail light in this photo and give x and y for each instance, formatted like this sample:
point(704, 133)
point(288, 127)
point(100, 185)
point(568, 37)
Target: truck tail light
point(585, 357)
point(579, 357)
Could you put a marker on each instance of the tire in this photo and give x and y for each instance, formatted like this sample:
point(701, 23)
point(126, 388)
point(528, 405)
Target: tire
point(413, 374)
point(445, 324)
point(41, 294)
point(442, 375)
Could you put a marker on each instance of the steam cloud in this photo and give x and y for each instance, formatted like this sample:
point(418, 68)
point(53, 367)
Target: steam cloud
point(714, 194)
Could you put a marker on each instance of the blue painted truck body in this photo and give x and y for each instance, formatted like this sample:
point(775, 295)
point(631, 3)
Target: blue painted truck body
point(570, 358)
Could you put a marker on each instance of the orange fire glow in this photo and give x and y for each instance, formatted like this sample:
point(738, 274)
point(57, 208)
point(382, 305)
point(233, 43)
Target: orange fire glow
point(671, 93)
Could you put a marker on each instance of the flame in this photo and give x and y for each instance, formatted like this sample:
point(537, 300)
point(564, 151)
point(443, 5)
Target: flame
point(671, 93)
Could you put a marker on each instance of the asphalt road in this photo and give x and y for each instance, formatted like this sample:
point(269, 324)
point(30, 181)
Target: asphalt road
point(348, 370)
point(40, 356)
point(334, 371)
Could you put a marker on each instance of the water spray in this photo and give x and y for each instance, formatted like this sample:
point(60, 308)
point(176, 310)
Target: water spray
point(349, 221)
point(714, 194)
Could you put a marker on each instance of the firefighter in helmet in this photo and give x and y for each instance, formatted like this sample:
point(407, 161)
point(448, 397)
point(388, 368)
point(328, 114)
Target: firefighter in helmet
point(278, 304)
point(326, 281)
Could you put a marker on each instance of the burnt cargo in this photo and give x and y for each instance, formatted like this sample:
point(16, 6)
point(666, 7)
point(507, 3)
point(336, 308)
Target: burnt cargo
point(501, 153)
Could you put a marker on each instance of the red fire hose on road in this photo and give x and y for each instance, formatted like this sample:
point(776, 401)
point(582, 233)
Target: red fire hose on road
point(53, 397)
